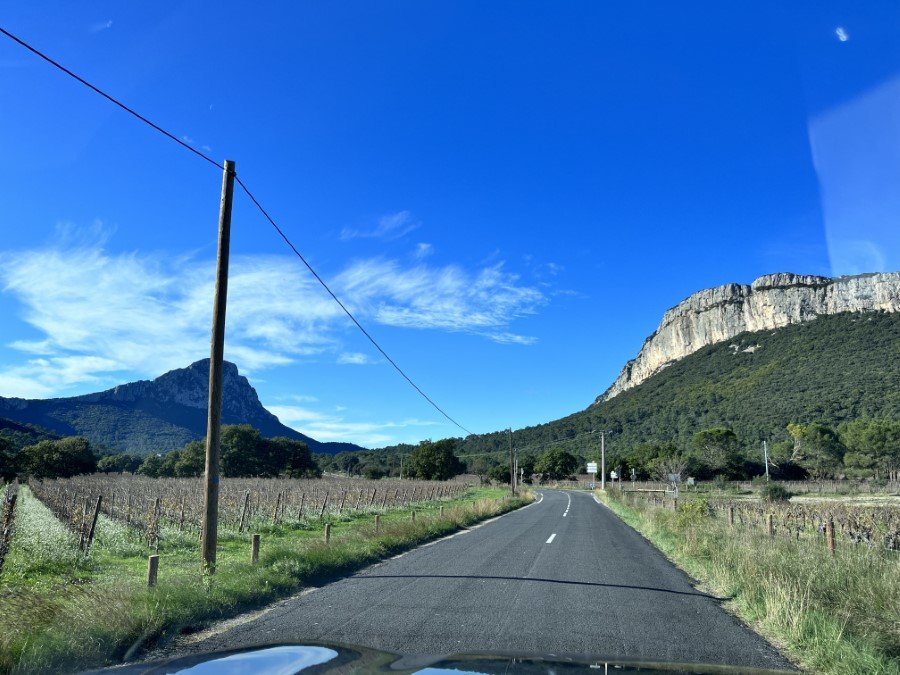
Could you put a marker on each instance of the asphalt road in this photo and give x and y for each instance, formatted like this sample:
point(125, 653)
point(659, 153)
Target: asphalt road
point(562, 576)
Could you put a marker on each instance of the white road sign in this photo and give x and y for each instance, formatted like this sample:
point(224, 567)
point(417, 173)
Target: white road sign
point(592, 467)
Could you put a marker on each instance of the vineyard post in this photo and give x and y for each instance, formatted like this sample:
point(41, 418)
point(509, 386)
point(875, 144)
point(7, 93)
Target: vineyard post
point(343, 499)
point(324, 504)
point(217, 348)
point(358, 500)
point(372, 500)
point(152, 570)
point(181, 517)
point(90, 537)
point(300, 510)
point(244, 511)
point(254, 549)
point(277, 506)
point(829, 534)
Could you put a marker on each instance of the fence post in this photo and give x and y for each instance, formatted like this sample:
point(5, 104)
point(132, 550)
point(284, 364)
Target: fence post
point(152, 570)
point(377, 523)
point(254, 549)
point(731, 516)
point(442, 510)
point(829, 534)
point(90, 538)
point(414, 516)
point(770, 525)
point(327, 532)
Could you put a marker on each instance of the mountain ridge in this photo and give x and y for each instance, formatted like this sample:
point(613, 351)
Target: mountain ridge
point(156, 415)
point(772, 301)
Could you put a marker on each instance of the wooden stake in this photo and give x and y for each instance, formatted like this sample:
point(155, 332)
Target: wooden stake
point(216, 356)
point(254, 549)
point(731, 516)
point(327, 532)
point(90, 537)
point(244, 511)
point(829, 535)
point(377, 524)
point(152, 570)
point(770, 526)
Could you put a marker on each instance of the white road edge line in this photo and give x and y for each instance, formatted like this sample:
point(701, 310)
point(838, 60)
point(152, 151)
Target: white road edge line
point(552, 537)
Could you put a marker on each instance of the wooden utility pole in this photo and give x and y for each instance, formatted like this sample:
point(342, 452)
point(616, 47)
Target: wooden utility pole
point(766, 458)
point(512, 468)
point(602, 460)
point(209, 532)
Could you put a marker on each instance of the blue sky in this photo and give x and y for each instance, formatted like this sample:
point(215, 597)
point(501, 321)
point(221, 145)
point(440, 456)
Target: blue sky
point(508, 195)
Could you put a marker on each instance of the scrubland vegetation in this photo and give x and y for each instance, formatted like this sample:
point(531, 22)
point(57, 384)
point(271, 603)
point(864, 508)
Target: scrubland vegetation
point(833, 612)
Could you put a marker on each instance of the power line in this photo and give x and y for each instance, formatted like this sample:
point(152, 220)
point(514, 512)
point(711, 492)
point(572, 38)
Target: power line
point(344, 307)
point(109, 98)
point(255, 201)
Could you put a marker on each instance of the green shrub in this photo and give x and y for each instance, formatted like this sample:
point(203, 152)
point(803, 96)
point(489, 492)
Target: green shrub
point(774, 492)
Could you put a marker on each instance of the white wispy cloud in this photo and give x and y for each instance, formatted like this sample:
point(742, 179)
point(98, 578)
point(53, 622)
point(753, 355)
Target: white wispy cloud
point(101, 26)
point(447, 298)
point(335, 427)
point(423, 250)
point(100, 315)
point(391, 226)
point(354, 358)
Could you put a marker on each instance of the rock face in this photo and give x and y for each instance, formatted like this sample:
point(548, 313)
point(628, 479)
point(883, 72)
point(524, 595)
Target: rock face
point(189, 387)
point(772, 301)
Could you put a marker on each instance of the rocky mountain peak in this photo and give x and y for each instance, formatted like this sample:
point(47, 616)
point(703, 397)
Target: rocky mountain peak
point(771, 301)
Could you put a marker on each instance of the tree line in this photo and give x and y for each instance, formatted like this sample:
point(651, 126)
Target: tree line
point(244, 453)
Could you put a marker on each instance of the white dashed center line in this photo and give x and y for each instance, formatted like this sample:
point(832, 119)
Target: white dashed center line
point(552, 537)
point(568, 505)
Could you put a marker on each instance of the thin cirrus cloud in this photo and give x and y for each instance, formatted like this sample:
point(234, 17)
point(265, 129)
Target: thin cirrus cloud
point(334, 427)
point(391, 226)
point(100, 316)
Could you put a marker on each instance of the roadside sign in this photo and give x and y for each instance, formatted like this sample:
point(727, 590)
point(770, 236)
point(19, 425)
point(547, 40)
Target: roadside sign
point(592, 467)
point(613, 475)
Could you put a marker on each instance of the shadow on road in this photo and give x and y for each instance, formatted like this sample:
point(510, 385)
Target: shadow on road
point(539, 580)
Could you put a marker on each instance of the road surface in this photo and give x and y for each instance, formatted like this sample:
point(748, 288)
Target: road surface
point(561, 576)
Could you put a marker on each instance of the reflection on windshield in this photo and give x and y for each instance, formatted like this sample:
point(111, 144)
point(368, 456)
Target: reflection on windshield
point(274, 661)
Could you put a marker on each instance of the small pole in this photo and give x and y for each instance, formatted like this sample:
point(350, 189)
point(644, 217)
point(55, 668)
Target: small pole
point(377, 523)
point(327, 532)
point(324, 504)
point(300, 510)
point(731, 516)
point(442, 511)
point(209, 533)
point(829, 534)
point(770, 525)
point(766, 458)
point(244, 511)
point(152, 570)
point(90, 537)
point(254, 549)
point(414, 516)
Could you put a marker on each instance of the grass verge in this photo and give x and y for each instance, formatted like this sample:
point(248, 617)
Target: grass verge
point(830, 614)
point(60, 611)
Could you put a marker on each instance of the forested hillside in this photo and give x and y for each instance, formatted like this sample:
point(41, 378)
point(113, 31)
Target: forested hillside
point(833, 369)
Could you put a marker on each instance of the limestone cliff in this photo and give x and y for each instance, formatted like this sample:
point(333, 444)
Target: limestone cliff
point(772, 301)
